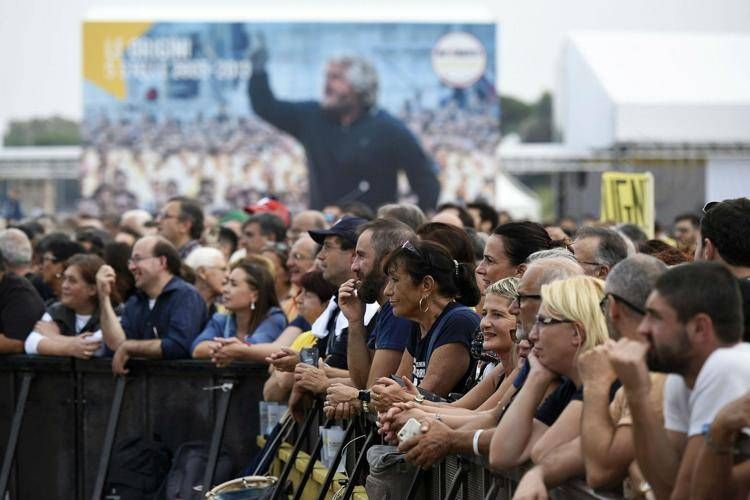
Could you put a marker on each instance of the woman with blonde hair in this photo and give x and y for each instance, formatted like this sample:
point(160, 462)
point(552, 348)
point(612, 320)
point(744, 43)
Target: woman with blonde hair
point(569, 323)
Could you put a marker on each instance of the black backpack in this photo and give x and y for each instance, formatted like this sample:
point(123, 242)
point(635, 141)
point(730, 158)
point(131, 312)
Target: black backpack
point(137, 469)
point(185, 477)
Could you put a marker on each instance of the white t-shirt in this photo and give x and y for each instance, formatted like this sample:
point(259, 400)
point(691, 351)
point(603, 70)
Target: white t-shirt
point(724, 377)
point(31, 345)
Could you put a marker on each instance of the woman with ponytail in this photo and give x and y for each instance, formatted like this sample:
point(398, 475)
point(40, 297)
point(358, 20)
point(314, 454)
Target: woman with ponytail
point(427, 286)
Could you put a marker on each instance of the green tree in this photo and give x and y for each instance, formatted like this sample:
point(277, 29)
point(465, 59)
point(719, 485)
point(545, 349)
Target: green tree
point(54, 131)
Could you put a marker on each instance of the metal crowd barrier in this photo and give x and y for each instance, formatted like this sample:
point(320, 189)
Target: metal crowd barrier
point(458, 477)
point(60, 417)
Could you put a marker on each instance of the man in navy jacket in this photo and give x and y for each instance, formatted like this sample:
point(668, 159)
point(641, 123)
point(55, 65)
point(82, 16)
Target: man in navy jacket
point(164, 316)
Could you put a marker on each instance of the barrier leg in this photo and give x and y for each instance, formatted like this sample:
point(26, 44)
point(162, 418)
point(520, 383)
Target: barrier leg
point(15, 430)
point(414, 488)
point(335, 464)
point(109, 438)
point(286, 427)
point(361, 459)
point(218, 434)
point(492, 491)
point(297, 445)
point(311, 464)
point(457, 483)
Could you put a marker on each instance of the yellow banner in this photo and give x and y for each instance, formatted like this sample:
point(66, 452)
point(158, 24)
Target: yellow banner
point(104, 45)
point(628, 198)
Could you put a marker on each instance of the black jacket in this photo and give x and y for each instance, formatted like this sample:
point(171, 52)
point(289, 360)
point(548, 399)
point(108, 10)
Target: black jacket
point(358, 162)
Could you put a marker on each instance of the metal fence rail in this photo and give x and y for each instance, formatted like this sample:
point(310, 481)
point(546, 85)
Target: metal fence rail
point(62, 447)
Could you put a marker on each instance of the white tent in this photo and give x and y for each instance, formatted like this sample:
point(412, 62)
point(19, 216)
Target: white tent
point(684, 90)
point(654, 88)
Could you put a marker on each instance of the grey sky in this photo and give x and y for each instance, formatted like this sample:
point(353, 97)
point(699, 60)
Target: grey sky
point(41, 63)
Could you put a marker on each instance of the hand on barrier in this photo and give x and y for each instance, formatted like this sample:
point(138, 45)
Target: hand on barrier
point(433, 445)
point(284, 360)
point(83, 346)
point(594, 367)
point(47, 328)
point(310, 378)
point(386, 392)
point(628, 359)
point(351, 305)
point(229, 350)
point(340, 393)
point(120, 359)
point(532, 486)
point(341, 411)
point(408, 410)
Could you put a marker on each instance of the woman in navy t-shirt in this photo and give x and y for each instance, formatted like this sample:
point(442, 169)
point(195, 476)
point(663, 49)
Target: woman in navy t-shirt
point(428, 287)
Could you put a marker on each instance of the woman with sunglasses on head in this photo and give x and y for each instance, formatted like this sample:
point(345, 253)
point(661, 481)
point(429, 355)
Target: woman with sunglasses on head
point(437, 293)
point(569, 323)
point(70, 327)
point(254, 317)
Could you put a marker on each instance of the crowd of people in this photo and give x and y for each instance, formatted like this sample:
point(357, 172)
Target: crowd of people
point(587, 351)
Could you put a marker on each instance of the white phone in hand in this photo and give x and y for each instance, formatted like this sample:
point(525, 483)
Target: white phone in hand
point(409, 430)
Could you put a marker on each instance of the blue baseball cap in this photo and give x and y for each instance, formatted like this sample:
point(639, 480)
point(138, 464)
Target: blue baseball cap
point(345, 228)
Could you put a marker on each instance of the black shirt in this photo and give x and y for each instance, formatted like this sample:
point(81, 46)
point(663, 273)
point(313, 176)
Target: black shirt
point(20, 306)
point(458, 327)
point(355, 162)
point(552, 407)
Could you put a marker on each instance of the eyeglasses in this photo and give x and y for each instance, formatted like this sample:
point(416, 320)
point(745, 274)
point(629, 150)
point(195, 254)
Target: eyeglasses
point(546, 321)
point(605, 300)
point(50, 258)
point(137, 260)
point(163, 216)
point(300, 256)
point(521, 296)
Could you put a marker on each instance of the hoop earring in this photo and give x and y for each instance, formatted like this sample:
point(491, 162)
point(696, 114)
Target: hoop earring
point(420, 304)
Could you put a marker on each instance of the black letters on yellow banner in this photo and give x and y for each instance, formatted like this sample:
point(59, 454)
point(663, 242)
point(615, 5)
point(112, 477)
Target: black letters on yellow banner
point(628, 198)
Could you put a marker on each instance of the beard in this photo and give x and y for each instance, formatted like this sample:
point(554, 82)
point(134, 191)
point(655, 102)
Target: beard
point(371, 286)
point(670, 358)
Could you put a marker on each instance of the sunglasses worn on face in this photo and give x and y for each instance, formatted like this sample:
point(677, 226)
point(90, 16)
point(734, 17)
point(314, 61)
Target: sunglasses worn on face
point(605, 300)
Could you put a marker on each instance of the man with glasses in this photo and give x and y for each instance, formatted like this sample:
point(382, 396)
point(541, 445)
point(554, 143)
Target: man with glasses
point(181, 222)
point(598, 249)
point(605, 451)
point(163, 317)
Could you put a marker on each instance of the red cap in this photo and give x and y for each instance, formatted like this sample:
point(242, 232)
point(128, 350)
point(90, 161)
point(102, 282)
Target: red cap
point(270, 205)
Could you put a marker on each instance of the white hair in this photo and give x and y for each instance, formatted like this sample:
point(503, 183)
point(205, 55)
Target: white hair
point(204, 257)
point(362, 76)
point(16, 247)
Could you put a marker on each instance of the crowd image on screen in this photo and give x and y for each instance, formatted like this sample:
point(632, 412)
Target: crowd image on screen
point(613, 356)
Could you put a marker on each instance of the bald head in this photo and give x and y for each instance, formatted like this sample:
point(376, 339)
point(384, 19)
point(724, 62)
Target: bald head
point(549, 269)
point(301, 257)
point(307, 220)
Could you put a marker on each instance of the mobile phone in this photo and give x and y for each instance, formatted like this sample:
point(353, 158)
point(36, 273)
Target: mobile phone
point(398, 380)
point(309, 355)
point(409, 430)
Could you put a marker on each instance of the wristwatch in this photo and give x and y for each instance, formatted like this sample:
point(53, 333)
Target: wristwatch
point(364, 396)
point(419, 399)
